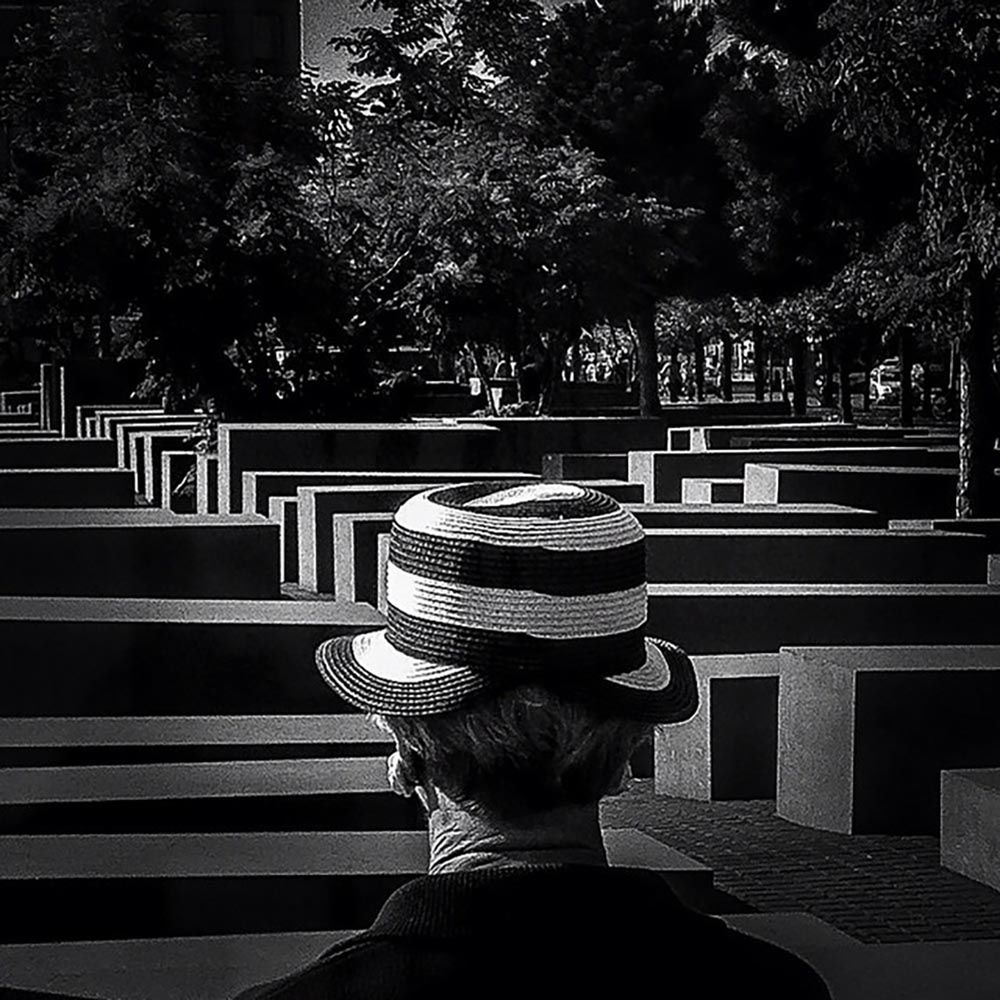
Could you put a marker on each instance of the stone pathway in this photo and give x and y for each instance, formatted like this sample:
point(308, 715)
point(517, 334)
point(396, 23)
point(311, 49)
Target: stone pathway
point(879, 889)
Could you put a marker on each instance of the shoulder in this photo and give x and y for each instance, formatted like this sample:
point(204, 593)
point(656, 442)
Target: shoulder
point(342, 972)
point(754, 963)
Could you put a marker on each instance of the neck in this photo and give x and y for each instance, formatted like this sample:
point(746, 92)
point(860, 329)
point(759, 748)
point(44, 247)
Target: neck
point(463, 841)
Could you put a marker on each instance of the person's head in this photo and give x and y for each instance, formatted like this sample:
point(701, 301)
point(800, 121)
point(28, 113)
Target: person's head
point(515, 674)
point(525, 750)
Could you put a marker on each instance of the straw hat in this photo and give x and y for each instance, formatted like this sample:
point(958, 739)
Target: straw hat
point(490, 586)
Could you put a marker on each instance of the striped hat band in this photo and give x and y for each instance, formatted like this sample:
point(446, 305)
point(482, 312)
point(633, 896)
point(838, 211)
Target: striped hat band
point(523, 578)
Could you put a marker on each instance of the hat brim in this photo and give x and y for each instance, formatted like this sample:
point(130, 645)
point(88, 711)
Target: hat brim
point(368, 672)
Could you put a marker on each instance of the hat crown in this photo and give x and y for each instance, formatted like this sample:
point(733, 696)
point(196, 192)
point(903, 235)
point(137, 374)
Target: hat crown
point(514, 578)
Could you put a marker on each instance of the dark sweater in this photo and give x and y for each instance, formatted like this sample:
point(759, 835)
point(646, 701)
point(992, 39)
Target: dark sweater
point(546, 931)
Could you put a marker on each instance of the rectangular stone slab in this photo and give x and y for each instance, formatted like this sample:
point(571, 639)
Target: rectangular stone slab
point(86, 412)
point(817, 555)
point(318, 504)
point(705, 437)
point(389, 447)
point(662, 472)
point(119, 656)
point(207, 483)
point(260, 486)
point(154, 444)
point(761, 618)
point(712, 491)
point(970, 823)
point(238, 883)
point(222, 796)
point(872, 440)
point(111, 426)
point(233, 557)
point(284, 511)
point(130, 453)
point(863, 733)
point(13, 400)
point(175, 467)
point(745, 515)
point(56, 454)
point(54, 488)
point(355, 555)
point(988, 527)
point(728, 749)
point(564, 466)
point(896, 492)
point(525, 440)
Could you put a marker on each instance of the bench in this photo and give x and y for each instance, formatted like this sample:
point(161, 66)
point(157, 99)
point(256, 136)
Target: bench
point(113, 554)
point(863, 733)
point(454, 447)
point(662, 472)
point(896, 492)
point(132, 656)
point(66, 487)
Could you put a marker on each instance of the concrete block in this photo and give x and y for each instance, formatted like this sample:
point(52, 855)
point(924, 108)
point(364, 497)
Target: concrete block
point(86, 413)
point(383, 574)
point(130, 449)
point(678, 515)
point(813, 555)
point(284, 512)
point(108, 556)
point(175, 468)
point(760, 618)
point(712, 491)
point(896, 492)
point(237, 883)
point(318, 504)
point(706, 437)
point(970, 824)
point(149, 657)
point(260, 486)
point(355, 555)
point(56, 454)
point(455, 447)
point(563, 467)
point(207, 483)
point(66, 487)
point(662, 472)
point(863, 733)
point(728, 750)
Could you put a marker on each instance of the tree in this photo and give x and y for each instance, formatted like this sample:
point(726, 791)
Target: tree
point(919, 83)
point(629, 80)
point(147, 180)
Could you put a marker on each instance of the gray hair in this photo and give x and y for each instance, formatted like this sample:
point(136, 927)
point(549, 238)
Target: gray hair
point(525, 750)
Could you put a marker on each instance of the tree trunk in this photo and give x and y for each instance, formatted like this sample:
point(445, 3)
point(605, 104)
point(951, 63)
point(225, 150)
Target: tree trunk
point(647, 361)
point(844, 377)
point(104, 334)
point(674, 376)
point(477, 360)
point(976, 430)
point(829, 395)
point(726, 382)
point(699, 367)
point(800, 398)
point(906, 377)
point(759, 363)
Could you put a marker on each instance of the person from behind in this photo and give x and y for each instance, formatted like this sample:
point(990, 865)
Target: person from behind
point(517, 681)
